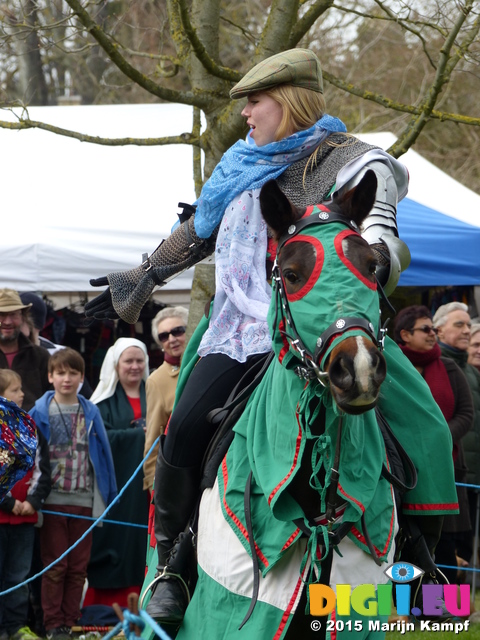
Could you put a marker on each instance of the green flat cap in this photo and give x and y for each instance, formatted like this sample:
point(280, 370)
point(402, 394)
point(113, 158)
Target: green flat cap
point(298, 67)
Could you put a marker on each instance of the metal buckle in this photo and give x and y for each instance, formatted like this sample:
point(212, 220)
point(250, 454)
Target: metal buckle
point(146, 264)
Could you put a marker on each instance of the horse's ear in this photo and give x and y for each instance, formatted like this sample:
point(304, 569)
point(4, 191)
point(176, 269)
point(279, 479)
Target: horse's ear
point(279, 213)
point(357, 203)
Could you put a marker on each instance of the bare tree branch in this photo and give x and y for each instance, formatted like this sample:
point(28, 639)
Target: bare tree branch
point(26, 123)
point(389, 103)
point(445, 66)
point(197, 156)
point(112, 50)
point(201, 53)
point(307, 21)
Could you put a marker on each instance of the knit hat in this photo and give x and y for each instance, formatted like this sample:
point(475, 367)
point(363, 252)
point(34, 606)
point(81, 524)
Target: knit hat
point(11, 301)
point(298, 67)
point(38, 308)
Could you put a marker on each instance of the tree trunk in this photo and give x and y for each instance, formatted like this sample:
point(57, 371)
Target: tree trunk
point(203, 288)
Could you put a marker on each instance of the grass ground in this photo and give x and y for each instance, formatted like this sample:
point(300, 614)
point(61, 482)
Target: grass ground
point(472, 633)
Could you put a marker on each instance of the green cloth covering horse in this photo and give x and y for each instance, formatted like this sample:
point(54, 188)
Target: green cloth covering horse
point(270, 439)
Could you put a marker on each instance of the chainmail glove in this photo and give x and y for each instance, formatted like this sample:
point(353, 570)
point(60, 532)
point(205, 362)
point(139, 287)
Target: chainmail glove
point(129, 290)
point(382, 256)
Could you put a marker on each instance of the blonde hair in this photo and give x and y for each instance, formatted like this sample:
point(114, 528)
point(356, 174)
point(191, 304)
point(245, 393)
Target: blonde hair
point(301, 108)
point(7, 378)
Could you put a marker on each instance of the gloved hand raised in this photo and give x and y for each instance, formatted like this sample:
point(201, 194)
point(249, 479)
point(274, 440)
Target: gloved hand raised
point(101, 307)
point(129, 290)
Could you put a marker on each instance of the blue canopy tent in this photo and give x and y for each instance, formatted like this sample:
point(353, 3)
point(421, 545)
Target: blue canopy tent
point(445, 251)
point(440, 222)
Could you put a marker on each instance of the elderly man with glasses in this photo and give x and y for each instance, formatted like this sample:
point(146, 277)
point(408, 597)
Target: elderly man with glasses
point(453, 324)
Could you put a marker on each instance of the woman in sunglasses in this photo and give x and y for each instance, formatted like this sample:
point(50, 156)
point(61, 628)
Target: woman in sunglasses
point(416, 337)
point(168, 331)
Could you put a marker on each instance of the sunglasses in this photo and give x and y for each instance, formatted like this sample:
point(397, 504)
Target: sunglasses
point(176, 332)
point(426, 329)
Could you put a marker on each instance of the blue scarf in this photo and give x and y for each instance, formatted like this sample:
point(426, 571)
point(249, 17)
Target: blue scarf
point(246, 166)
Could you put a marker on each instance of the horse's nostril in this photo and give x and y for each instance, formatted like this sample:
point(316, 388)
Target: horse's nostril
point(380, 367)
point(341, 373)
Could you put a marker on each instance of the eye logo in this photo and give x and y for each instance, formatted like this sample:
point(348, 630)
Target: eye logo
point(403, 572)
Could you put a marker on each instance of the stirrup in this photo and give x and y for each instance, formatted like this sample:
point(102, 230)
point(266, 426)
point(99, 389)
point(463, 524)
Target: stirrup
point(165, 574)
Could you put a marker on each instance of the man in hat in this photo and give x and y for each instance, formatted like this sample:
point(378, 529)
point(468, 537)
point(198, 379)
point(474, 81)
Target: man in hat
point(17, 352)
point(38, 313)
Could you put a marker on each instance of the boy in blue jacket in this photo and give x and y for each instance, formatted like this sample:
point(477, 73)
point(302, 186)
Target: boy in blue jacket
point(82, 484)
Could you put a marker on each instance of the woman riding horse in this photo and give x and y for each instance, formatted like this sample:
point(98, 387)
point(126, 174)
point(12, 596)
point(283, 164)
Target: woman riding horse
point(308, 152)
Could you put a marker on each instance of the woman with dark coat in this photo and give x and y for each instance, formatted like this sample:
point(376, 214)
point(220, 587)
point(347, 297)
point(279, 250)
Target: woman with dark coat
point(416, 337)
point(118, 553)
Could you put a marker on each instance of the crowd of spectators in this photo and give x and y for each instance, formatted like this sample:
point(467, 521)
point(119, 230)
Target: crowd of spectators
point(91, 441)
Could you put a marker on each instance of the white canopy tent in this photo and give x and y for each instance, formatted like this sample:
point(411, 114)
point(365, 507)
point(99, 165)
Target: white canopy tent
point(74, 211)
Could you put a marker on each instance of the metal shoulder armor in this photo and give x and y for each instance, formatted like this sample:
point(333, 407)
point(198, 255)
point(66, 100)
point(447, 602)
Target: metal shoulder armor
point(380, 227)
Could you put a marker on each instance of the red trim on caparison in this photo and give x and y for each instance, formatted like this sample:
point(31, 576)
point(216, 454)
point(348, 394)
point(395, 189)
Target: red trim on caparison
point(333, 632)
point(291, 539)
point(295, 458)
point(308, 211)
point(351, 498)
point(289, 608)
point(430, 507)
point(235, 518)
point(286, 346)
point(350, 266)
point(308, 286)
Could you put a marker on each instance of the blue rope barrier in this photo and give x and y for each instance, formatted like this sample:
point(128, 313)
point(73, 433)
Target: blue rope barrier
point(469, 486)
point(99, 519)
point(73, 515)
point(155, 626)
point(457, 568)
point(131, 524)
point(140, 620)
point(116, 629)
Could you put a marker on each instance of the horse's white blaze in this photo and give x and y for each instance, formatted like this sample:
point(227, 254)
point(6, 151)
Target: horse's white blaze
point(362, 364)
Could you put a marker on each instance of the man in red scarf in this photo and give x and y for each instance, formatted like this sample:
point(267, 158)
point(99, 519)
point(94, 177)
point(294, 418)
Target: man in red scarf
point(416, 336)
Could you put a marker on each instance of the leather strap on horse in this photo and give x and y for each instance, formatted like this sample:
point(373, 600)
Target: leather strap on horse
point(398, 452)
point(251, 541)
point(334, 477)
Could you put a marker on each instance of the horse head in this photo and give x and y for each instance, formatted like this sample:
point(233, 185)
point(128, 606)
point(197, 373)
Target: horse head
point(325, 320)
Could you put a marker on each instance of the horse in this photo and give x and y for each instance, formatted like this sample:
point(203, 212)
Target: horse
point(308, 426)
point(301, 496)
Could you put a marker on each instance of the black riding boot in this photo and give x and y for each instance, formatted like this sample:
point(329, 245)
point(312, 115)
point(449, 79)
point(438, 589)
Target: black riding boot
point(176, 492)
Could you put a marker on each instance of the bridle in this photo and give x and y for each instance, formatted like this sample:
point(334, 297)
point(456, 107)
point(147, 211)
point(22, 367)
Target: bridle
point(310, 368)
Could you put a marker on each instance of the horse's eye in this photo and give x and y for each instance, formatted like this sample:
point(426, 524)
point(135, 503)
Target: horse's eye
point(291, 276)
point(372, 268)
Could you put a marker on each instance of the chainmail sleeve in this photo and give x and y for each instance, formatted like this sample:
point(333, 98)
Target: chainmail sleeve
point(183, 249)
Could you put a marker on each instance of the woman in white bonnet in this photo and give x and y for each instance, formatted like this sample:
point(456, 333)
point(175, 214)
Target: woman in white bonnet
point(118, 552)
